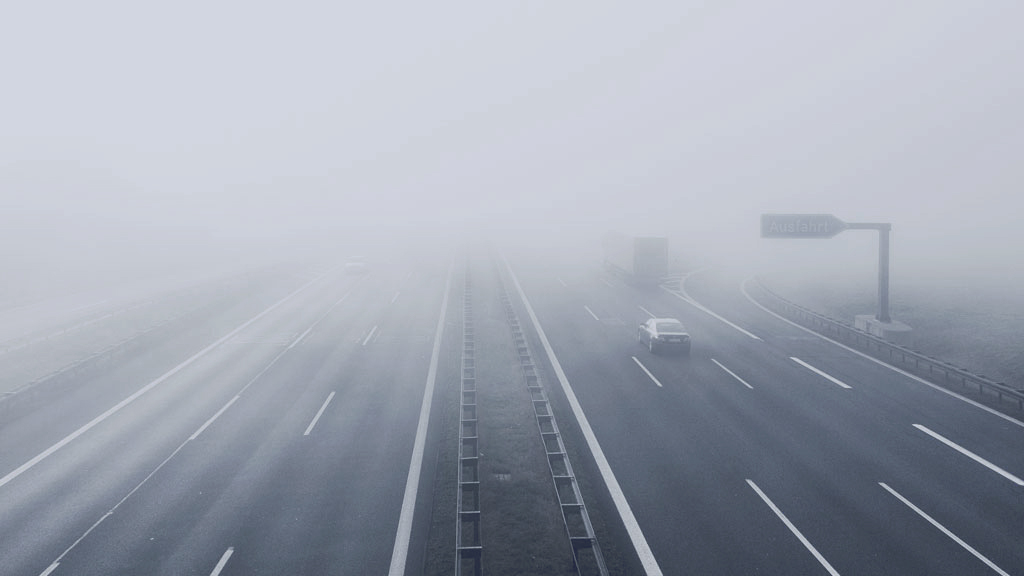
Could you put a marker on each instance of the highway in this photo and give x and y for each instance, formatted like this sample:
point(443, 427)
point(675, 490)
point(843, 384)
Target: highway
point(273, 431)
point(772, 451)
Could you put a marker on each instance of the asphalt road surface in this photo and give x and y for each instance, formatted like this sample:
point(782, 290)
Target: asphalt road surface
point(772, 451)
point(285, 431)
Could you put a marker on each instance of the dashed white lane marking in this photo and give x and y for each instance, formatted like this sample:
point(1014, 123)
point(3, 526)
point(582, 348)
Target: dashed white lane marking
point(971, 455)
point(591, 312)
point(607, 283)
point(222, 562)
point(319, 413)
point(733, 374)
point(646, 371)
point(636, 535)
point(117, 407)
point(395, 297)
point(212, 418)
point(918, 379)
point(562, 282)
point(821, 373)
point(370, 335)
point(709, 312)
point(793, 529)
point(944, 530)
point(400, 553)
point(180, 447)
point(646, 311)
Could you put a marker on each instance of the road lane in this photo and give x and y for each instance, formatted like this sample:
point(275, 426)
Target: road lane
point(819, 452)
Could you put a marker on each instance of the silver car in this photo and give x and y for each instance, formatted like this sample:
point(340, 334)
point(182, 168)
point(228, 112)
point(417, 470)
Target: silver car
point(664, 334)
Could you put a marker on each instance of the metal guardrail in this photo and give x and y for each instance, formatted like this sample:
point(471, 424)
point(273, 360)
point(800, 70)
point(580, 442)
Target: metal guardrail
point(575, 517)
point(933, 369)
point(468, 547)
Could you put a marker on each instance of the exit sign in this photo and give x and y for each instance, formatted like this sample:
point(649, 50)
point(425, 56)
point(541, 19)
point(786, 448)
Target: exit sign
point(800, 226)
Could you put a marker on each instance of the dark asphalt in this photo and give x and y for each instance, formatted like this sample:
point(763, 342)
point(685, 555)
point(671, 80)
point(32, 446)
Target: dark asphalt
point(701, 460)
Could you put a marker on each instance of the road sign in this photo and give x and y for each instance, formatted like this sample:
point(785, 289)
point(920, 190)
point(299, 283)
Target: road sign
point(800, 226)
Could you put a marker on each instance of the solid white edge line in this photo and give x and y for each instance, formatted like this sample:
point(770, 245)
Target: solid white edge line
point(944, 530)
point(646, 311)
point(793, 529)
point(646, 371)
point(50, 569)
point(821, 373)
point(636, 535)
point(223, 561)
point(400, 552)
point(970, 455)
point(318, 414)
point(918, 379)
point(117, 407)
point(168, 459)
point(708, 311)
point(370, 335)
point(212, 418)
point(591, 312)
point(733, 374)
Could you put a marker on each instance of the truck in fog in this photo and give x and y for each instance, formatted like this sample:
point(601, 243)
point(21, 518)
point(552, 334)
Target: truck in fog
point(639, 259)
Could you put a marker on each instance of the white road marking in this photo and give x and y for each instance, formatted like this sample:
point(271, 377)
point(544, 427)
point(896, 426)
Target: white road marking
point(395, 297)
point(370, 335)
point(607, 283)
point(562, 282)
point(50, 569)
point(944, 530)
point(646, 371)
point(212, 418)
point(971, 455)
point(318, 414)
point(708, 311)
point(636, 535)
point(223, 561)
point(164, 463)
point(591, 312)
point(400, 553)
point(793, 529)
point(117, 407)
point(733, 374)
point(820, 373)
point(918, 379)
point(646, 311)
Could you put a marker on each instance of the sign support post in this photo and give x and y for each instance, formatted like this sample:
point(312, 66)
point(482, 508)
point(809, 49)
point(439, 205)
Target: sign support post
point(827, 226)
point(883, 266)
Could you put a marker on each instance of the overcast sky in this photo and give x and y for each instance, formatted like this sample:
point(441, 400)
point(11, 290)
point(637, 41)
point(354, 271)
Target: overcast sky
point(252, 117)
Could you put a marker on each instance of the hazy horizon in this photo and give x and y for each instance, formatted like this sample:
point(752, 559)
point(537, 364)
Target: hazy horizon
point(199, 128)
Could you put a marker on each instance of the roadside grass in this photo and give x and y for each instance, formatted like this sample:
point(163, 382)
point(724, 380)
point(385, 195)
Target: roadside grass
point(521, 523)
point(978, 330)
point(521, 527)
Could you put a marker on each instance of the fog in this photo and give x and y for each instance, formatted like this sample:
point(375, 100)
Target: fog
point(141, 136)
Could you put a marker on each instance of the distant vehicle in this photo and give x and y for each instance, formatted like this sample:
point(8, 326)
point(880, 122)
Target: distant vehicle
point(641, 260)
point(664, 334)
point(357, 265)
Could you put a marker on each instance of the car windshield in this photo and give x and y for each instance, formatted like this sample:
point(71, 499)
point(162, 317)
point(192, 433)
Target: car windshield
point(669, 327)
